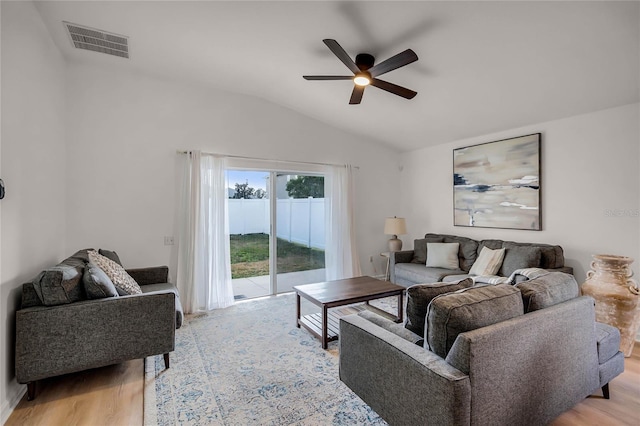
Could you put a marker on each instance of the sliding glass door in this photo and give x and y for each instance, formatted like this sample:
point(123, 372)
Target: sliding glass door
point(249, 233)
point(300, 230)
point(277, 231)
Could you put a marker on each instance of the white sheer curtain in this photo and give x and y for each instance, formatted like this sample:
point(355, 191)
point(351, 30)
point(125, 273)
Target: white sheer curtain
point(341, 255)
point(204, 267)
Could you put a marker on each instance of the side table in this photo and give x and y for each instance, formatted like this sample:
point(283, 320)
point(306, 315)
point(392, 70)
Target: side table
point(387, 255)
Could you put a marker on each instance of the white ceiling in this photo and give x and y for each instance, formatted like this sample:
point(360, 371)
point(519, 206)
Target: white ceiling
point(483, 67)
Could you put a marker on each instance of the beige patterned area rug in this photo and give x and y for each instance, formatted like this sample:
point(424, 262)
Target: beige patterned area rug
point(250, 365)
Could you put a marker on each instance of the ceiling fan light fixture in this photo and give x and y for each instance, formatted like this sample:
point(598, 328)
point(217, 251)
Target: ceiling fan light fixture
point(365, 73)
point(362, 79)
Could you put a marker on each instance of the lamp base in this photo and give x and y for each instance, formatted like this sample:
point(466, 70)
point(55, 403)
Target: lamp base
point(395, 244)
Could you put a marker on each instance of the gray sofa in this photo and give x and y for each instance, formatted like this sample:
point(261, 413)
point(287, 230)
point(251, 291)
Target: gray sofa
point(408, 267)
point(60, 331)
point(540, 353)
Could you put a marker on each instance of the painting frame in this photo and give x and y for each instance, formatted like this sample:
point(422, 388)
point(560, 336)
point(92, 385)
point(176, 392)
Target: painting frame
point(497, 184)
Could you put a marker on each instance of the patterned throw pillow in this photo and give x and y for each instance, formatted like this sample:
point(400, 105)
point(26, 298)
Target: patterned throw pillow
point(123, 282)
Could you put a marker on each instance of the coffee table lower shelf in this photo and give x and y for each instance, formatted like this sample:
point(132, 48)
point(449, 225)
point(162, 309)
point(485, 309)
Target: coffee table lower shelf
point(313, 323)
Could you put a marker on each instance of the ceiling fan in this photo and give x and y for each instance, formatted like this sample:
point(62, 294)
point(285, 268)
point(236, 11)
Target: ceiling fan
point(365, 72)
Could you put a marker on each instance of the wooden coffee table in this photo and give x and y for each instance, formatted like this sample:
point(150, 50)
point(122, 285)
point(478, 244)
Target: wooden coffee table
point(330, 294)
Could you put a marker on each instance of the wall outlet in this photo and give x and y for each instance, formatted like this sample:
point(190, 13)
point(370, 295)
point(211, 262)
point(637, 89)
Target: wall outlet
point(371, 259)
point(168, 241)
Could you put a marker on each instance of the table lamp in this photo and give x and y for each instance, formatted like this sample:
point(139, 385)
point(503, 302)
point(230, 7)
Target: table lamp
point(395, 226)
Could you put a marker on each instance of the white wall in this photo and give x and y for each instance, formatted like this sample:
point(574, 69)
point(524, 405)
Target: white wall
point(590, 166)
point(124, 130)
point(33, 168)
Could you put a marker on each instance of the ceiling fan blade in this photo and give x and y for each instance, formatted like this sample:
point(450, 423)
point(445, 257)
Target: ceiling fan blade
point(341, 54)
point(393, 88)
point(356, 95)
point(394, 62)
point(327, 77)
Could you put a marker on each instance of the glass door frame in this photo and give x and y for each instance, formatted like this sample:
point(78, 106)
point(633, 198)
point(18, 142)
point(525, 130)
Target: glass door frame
point(274, 168)
point(273, 234)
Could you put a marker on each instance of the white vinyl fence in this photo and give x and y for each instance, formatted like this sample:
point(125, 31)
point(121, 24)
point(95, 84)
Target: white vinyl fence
point(299, 220)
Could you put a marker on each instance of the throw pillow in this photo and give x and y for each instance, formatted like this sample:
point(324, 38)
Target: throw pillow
point(112, 255)
point(420, 248)
point(488, 263)
point(418, 298)
point(443, 255)
point(59, 285)
point(97, 284)
point(419, 251)
point(548, 290)
point(468, 251)
point(520, 258)
point(451, 314)
point(123, 282)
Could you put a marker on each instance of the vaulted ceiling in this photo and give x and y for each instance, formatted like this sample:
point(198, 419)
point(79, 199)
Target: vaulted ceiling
point(484, 66)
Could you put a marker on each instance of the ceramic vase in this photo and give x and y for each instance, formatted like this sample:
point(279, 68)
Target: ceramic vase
point(617, 297)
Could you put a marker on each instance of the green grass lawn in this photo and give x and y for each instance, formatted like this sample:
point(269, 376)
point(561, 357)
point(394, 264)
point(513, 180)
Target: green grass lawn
point(250, 256)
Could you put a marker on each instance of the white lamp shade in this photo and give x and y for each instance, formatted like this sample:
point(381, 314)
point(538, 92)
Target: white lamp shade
point(395, 226)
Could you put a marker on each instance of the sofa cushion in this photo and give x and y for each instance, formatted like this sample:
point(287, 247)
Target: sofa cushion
point(420, 249)
point(451, 314)
point(97, 284)
point(492, 244)
point(419, 296)
point(443, 255)
point(488, 262)
point(59, 285)
point(547, 290)
point(455, 278)
point(116, 273)
point(419, 274)
point(551, 257)
point(112, 255)
point(520, 257)
point(608, 338)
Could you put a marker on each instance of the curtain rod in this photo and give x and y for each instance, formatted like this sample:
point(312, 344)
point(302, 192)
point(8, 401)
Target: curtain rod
point(266, 159)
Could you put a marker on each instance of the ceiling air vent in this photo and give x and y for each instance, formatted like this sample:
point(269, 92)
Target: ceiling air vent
point(98, 40)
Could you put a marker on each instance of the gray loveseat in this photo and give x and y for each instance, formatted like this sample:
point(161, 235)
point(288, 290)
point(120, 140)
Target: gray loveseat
point(408, 267)
point(60, 331)
point(540, 353)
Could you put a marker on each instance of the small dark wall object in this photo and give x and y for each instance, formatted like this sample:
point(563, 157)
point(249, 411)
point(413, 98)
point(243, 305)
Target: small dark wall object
point(1, 189)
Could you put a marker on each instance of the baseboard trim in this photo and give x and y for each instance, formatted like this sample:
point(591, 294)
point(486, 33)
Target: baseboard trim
point(8, 407)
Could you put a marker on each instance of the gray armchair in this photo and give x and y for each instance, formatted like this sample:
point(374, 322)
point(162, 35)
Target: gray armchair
point(61, 339)
point(525, 370)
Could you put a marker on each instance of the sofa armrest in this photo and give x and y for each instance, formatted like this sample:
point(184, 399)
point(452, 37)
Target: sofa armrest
point(565, 269)
point(394, 327)
point(152, 275)
point(401, 381)
point(55, 340)
point(546, 363)
point(404, 256)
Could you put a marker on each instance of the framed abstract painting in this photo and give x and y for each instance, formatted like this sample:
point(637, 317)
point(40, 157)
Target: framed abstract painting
point(497, 184)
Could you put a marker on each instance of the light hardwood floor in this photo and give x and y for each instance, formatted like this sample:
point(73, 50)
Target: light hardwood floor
point(114, 396)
